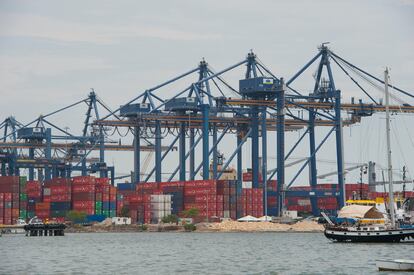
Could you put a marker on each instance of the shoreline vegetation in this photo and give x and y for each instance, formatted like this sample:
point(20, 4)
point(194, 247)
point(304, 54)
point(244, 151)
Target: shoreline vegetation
point(225, 226)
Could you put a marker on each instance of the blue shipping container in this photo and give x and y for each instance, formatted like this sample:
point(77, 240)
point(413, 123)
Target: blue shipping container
point(126, 186)
point(59, 206)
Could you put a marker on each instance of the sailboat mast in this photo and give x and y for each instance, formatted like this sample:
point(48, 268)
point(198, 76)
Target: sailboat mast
point(388, 130)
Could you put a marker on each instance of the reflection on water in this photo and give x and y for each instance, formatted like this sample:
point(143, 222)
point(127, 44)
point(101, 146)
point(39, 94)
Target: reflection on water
point(192, 253)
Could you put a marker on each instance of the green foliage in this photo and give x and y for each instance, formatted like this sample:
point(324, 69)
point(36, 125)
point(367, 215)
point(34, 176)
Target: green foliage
point(191, 213)
point(170, 219)
point(125, 211)
point(143, 227)
point(76, 216)
point(189, 227)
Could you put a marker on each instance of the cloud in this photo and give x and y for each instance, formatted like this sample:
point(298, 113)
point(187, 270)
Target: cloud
point(46, 65)
point(407, 2)
point(35, 26)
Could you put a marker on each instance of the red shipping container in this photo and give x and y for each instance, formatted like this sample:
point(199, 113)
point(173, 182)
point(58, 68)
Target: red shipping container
point(105, 197)
point(102, 181)
point(134, 198)
point(15, 213)
point(171, 184)
point(199, 191)
point(83, 197)
point(83, 204)
point(83, 180)
point(83, 188)
point(7, 197)
point(201, 183)
point(60, 198)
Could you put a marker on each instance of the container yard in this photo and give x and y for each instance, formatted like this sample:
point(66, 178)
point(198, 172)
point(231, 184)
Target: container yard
point(193, 121)
point(147, 203)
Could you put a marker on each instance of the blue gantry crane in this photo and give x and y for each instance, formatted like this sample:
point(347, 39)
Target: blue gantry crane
point(204, 112)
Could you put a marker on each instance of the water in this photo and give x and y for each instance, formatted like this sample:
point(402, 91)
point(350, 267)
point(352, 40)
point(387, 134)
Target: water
point(192, 253)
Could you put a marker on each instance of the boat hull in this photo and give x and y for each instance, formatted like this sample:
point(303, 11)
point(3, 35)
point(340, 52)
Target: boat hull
point(396, 265)
point(384, 236)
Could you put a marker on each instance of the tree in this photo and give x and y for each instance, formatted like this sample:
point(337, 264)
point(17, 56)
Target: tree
point(76, 216)
point(191, 213)
point(170, 219)
point(188, 227)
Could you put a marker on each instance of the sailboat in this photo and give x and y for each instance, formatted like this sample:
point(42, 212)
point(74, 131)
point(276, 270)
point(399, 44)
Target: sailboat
point(383, 232)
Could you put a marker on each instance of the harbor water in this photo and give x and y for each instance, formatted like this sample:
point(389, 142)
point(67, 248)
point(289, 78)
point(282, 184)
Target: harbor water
point(192, 253)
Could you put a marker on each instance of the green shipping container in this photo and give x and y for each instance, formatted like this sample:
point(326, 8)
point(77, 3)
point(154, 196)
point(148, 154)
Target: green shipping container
point(98, 212)
point(23, 214)
point(109, 214)
point(98, 205)
point(23, 197)
point(23, 181)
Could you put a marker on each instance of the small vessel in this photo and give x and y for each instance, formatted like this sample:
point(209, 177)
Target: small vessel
point(36, 227)
point(17, 228)
point(386, 231)
point(395, 265)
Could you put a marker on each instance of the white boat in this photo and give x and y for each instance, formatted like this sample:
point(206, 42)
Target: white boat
point(395, 265)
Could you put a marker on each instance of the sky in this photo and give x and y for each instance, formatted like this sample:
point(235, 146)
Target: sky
point(53, 52)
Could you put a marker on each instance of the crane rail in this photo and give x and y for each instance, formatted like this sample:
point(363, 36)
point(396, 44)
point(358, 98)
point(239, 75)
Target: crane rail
point(108, 147)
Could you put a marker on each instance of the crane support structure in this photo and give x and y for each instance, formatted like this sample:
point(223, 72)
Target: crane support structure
point(261, 103)
point(196, 110)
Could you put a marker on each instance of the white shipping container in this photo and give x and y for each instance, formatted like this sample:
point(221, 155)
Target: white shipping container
point(161, 198)
point(121, 220)
point(247, 184)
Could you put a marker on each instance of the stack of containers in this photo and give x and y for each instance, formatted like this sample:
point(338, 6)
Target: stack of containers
point(123, 190)
point(23, 198)
point(34, 195)
point(160, 207)
point(146, 190)
point(42, 210)
point(83, 194)
point(119, 204)
point(59, 192)
point(105, 199)
point(146, 214)
point(252, 200)
point(202, 195)
point(176, 190)
point(101, 187)
point(112, 201)
point(1, 208)
point(9, 188)
point(227, 199)
point(98, 199)
point(134, 203)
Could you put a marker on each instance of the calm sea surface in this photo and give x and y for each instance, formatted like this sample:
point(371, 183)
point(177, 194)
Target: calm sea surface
point(192, 253)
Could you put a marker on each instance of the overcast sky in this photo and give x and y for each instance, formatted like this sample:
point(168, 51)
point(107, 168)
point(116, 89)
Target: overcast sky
point(53, 52)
